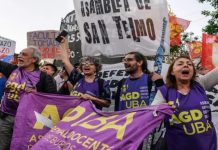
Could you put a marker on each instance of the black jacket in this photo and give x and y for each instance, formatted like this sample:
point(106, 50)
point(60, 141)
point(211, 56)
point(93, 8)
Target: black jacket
point(46, 83)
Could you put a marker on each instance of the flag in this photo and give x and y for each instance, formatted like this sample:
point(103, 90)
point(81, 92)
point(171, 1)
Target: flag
point(88, 128)
point(195, 49)
point(209, 51)
point(36, 115)
point(177, 26)
point(82, 125)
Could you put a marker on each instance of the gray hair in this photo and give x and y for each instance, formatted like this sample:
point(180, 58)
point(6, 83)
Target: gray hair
point(93, 60)
point(36, 53)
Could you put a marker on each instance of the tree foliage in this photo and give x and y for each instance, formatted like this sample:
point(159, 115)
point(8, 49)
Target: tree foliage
point(212, 27)
point(185, 37)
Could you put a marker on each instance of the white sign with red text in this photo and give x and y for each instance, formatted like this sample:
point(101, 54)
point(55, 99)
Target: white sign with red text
point(7, 49)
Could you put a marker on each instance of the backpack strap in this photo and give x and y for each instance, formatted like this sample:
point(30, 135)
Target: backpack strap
point(149, 85)
point(40, 85)
point(117, 95)
point(100, 86)
point(151, 92)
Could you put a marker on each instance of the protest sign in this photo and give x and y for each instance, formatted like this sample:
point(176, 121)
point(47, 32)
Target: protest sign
point(45, 41)
point(114, 28)
point(7, 49)
point(69, 24)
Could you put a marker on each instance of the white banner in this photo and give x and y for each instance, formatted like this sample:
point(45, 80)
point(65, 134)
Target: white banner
point(116, 27)
point(7, 49)
point(213, 97)
point(115, 72)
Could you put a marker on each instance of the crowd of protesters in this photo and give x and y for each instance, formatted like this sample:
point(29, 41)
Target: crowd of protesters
point(183, 90)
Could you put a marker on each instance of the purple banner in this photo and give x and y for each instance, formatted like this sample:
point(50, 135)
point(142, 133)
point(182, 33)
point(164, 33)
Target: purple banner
point(88, 128)
point(36, 115)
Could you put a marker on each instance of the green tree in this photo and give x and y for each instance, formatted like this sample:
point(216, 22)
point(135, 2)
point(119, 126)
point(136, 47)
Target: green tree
point(212, 27)
point(185, 38)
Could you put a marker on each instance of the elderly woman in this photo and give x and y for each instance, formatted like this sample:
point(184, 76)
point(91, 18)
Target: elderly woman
point(86, 84)
point(190, 127)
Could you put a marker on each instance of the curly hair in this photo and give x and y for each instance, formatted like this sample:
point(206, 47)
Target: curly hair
point(93, 60)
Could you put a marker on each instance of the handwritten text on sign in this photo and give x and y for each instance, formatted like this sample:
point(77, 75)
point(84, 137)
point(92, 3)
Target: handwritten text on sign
point(45, 40)
point(114, 27)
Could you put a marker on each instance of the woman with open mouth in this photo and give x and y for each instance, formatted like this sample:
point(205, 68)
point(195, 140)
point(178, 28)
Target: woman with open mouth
point(86, 84)
point(190, 127)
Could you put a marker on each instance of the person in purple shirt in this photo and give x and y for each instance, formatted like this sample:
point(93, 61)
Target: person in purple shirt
point(136, 90)
point(24, 77)
point(2, 85)
point(190, 127)
point(86, 84)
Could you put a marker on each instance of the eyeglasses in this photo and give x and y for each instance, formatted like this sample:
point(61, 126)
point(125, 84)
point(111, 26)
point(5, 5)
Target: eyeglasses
point(25, 54)
point(128, 59)
point(87, 63)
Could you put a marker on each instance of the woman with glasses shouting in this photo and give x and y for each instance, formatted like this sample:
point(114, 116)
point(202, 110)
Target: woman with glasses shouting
point(86, 84)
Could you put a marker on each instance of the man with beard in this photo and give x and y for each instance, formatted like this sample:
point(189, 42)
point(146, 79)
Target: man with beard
point(24, 77)
point(136, 90)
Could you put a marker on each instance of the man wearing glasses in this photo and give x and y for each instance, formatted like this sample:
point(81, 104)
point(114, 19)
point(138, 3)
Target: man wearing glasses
point(24, 77)
point(136, 90)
